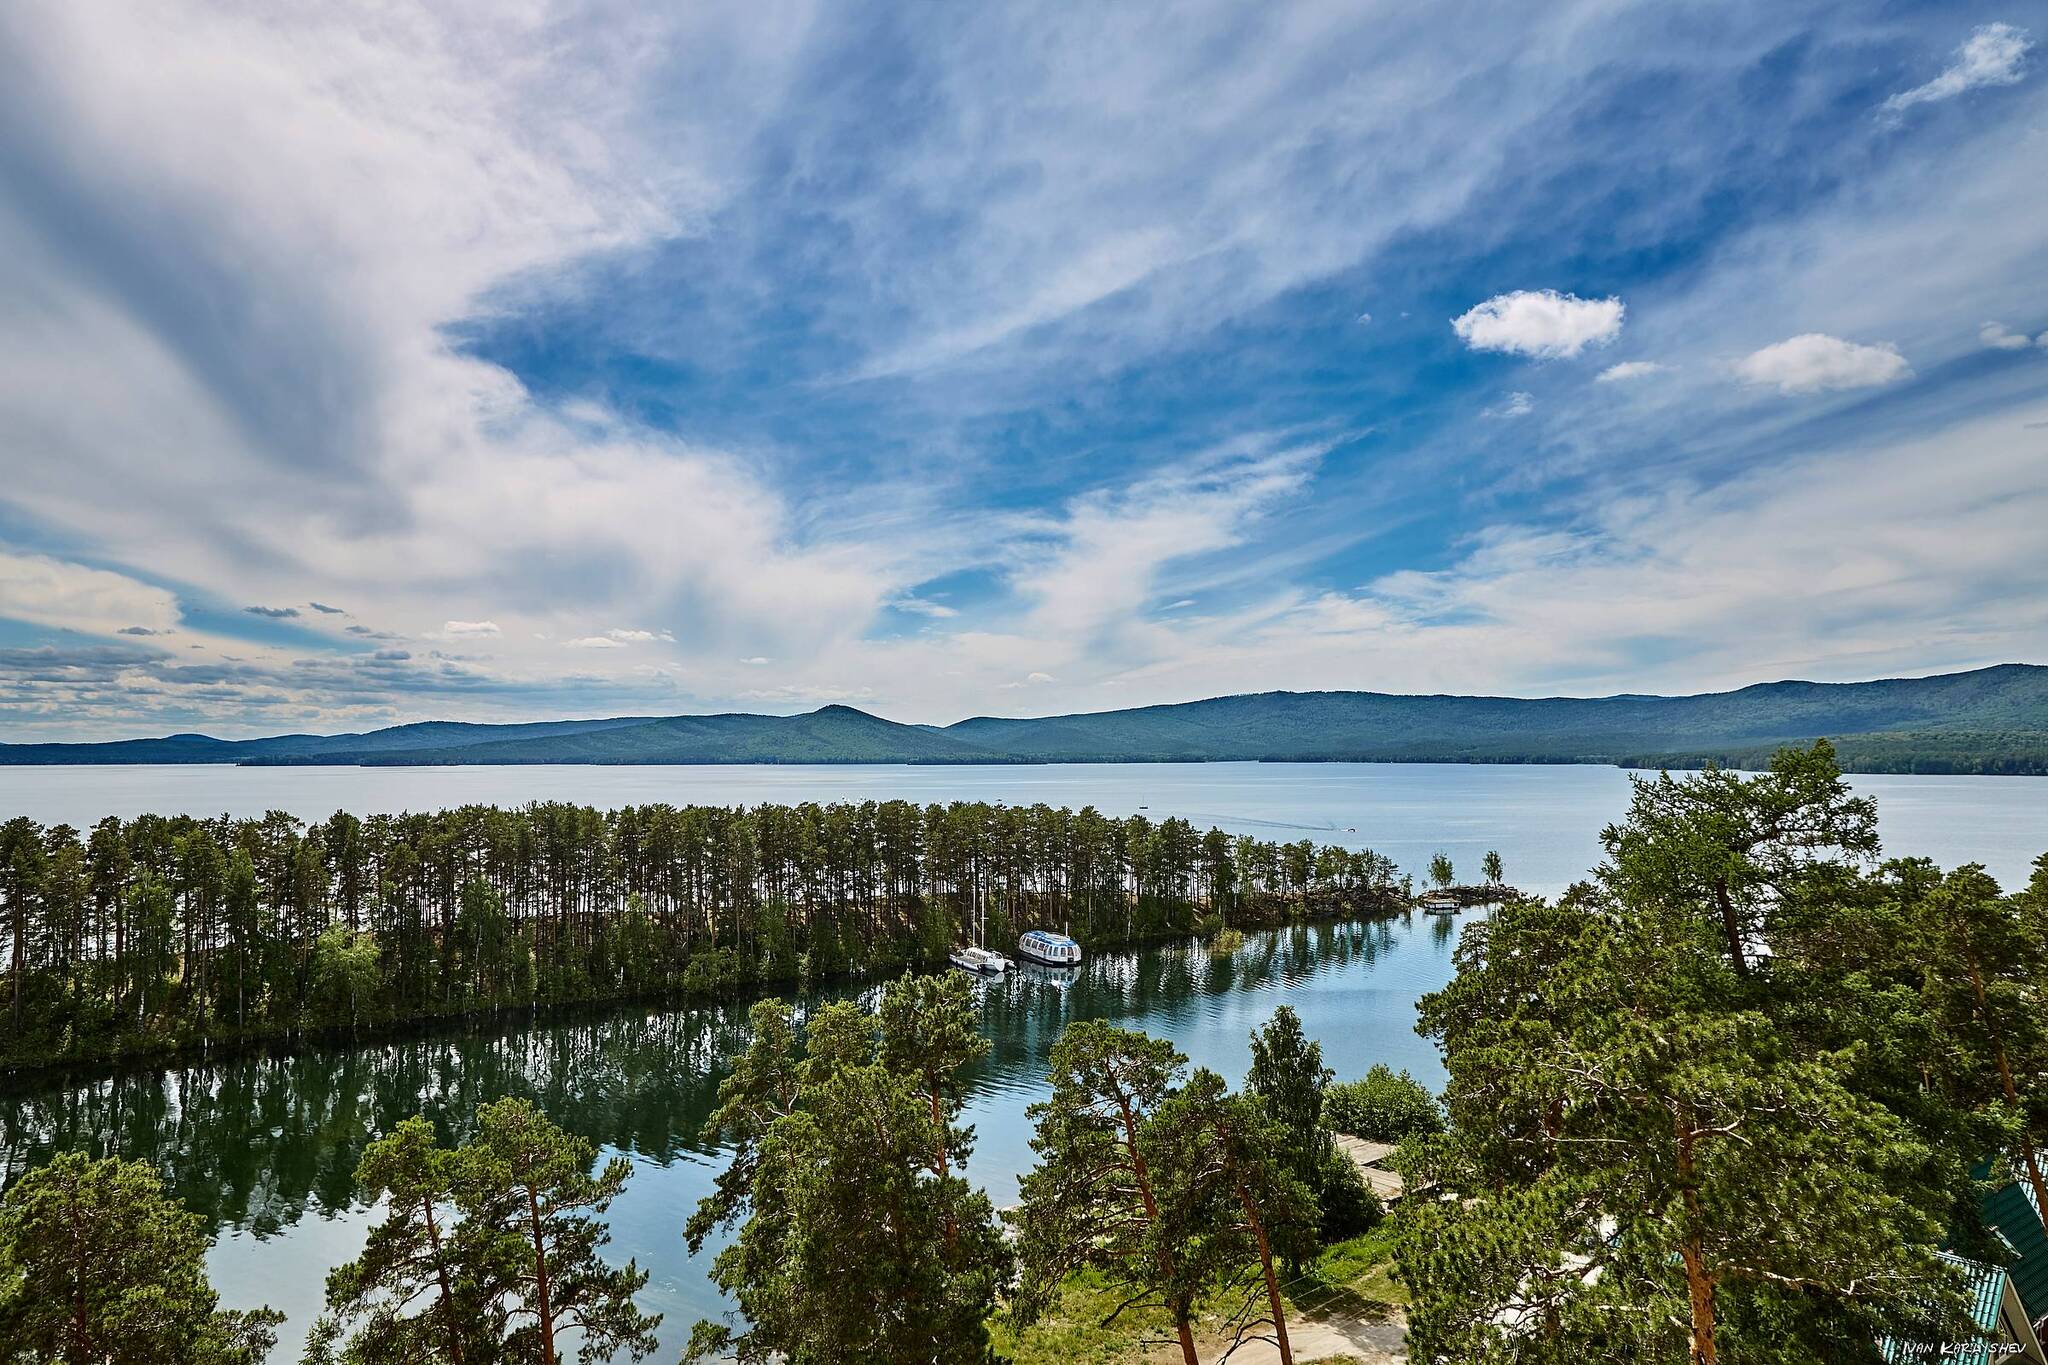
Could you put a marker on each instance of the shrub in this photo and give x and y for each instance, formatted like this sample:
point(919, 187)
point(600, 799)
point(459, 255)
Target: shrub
point(1349, 1207)
point(1386, 1106)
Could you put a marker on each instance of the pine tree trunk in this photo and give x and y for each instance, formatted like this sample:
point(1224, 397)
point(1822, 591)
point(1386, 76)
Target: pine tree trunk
point(542, 1309)
point(1251, 1214)
point(1730, 926)
point(1180, 1317)
point(1698, 1283)
point(447, 1293)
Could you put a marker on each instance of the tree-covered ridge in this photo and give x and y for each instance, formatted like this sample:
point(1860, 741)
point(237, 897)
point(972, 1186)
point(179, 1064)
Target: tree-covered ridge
point(1990, 720)
point(157, 933)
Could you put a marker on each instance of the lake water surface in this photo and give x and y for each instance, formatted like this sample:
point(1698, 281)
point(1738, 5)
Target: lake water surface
point(264, 1147)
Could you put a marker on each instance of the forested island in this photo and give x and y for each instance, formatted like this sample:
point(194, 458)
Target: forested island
point(161, 934)
point(1989, 720)
point(1743, 1094)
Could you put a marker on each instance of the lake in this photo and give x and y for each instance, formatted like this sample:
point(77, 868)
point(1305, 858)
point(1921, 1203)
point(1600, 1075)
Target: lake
point(264, 1147)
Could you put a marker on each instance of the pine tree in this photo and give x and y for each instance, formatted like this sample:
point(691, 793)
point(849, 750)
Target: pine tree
point(855, 1241)
point(1288, 1078)
point(415, 1290)
point(1229, 1195)
point(100, 1266)
point(534, 1226)
point(1092, 1200)
point(1653, 1154)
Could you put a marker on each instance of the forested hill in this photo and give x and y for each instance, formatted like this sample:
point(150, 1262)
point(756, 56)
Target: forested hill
point(1990, 720)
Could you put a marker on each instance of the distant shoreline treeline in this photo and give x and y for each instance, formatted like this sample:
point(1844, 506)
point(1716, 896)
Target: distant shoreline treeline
point(161, 935)
point(1991, 721)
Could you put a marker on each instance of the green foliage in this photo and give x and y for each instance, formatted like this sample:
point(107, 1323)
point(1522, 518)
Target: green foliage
point(1091, 1201)
point(1441, 873)
point(99, 1266)
point(855, 1240)
point(1346, 1205)
point(1386, 1106)
point(1490, 868)
point(1706, 1079)
point(419, 1290)
point(1288, 1080)
point(1229, 1200)
point(487, 1253)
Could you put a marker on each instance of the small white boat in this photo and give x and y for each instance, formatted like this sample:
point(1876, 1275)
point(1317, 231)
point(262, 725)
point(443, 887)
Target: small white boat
point(1049, 949)
point(980, 961)
point(1439, 904)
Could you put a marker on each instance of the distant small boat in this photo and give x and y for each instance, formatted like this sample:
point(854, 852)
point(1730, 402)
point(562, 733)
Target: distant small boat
point(1049, 949)
point(1439, 903)
point(980, 961)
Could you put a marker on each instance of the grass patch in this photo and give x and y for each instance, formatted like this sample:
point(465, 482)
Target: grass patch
point(1351, 1279)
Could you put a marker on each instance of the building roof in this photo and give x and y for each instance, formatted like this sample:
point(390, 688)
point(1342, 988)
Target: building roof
point(2011, 1211)
point(1985, 1284)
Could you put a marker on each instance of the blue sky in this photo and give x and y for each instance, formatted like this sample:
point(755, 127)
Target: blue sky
point(504, 362)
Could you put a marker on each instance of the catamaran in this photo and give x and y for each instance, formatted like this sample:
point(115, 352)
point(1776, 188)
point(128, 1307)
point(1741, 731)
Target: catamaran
point(980, 961)
point(1049, 949)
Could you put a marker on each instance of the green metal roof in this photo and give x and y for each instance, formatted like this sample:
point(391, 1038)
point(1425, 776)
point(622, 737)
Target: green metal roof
point(1985, 1284)
point(2012, 1213)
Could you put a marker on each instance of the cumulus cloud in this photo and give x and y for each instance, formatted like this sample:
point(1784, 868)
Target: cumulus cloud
point(1629, 369)
point(1994, 54)
point(594, 642)
point(1814, 362)
point(326, 610)
point(461, 629)
point(1995, 335)
point(1540, 323)
point(274, 613)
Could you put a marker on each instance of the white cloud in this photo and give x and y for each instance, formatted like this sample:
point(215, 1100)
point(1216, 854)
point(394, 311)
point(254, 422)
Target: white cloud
point(1994, 335)
point(462, 629)
point(1814, 362)
point(919, 606)
point(593, 642)
point(755, 661)
point(1541, 323)
point(50, 592)
point(1101, 567)
point(1993, 55)
point(1629, 369)
point(1516, 404)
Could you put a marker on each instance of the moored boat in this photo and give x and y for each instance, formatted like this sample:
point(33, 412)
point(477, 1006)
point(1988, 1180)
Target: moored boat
point(1439, 903)
point(980, 961)
point(1049, 949)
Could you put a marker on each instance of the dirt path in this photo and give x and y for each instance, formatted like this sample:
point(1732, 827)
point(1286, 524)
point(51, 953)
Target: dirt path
point(1336, 1337)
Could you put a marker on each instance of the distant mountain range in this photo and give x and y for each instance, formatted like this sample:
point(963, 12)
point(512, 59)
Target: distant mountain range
point(1990, 720)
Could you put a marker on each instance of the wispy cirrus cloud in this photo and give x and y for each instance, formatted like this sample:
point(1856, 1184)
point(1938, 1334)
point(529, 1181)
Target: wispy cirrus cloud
point(666, 360)
point(1994, 54)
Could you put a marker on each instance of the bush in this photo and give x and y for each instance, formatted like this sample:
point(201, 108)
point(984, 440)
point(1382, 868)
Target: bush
point(1349, 1207)
point(1384, 1107)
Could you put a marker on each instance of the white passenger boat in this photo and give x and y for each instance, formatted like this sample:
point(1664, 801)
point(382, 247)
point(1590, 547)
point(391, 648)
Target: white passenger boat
point(1049, 949)
point(980, 961)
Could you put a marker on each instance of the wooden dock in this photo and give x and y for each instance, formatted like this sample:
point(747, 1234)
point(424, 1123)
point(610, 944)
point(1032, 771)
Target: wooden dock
point(1368, 1156)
